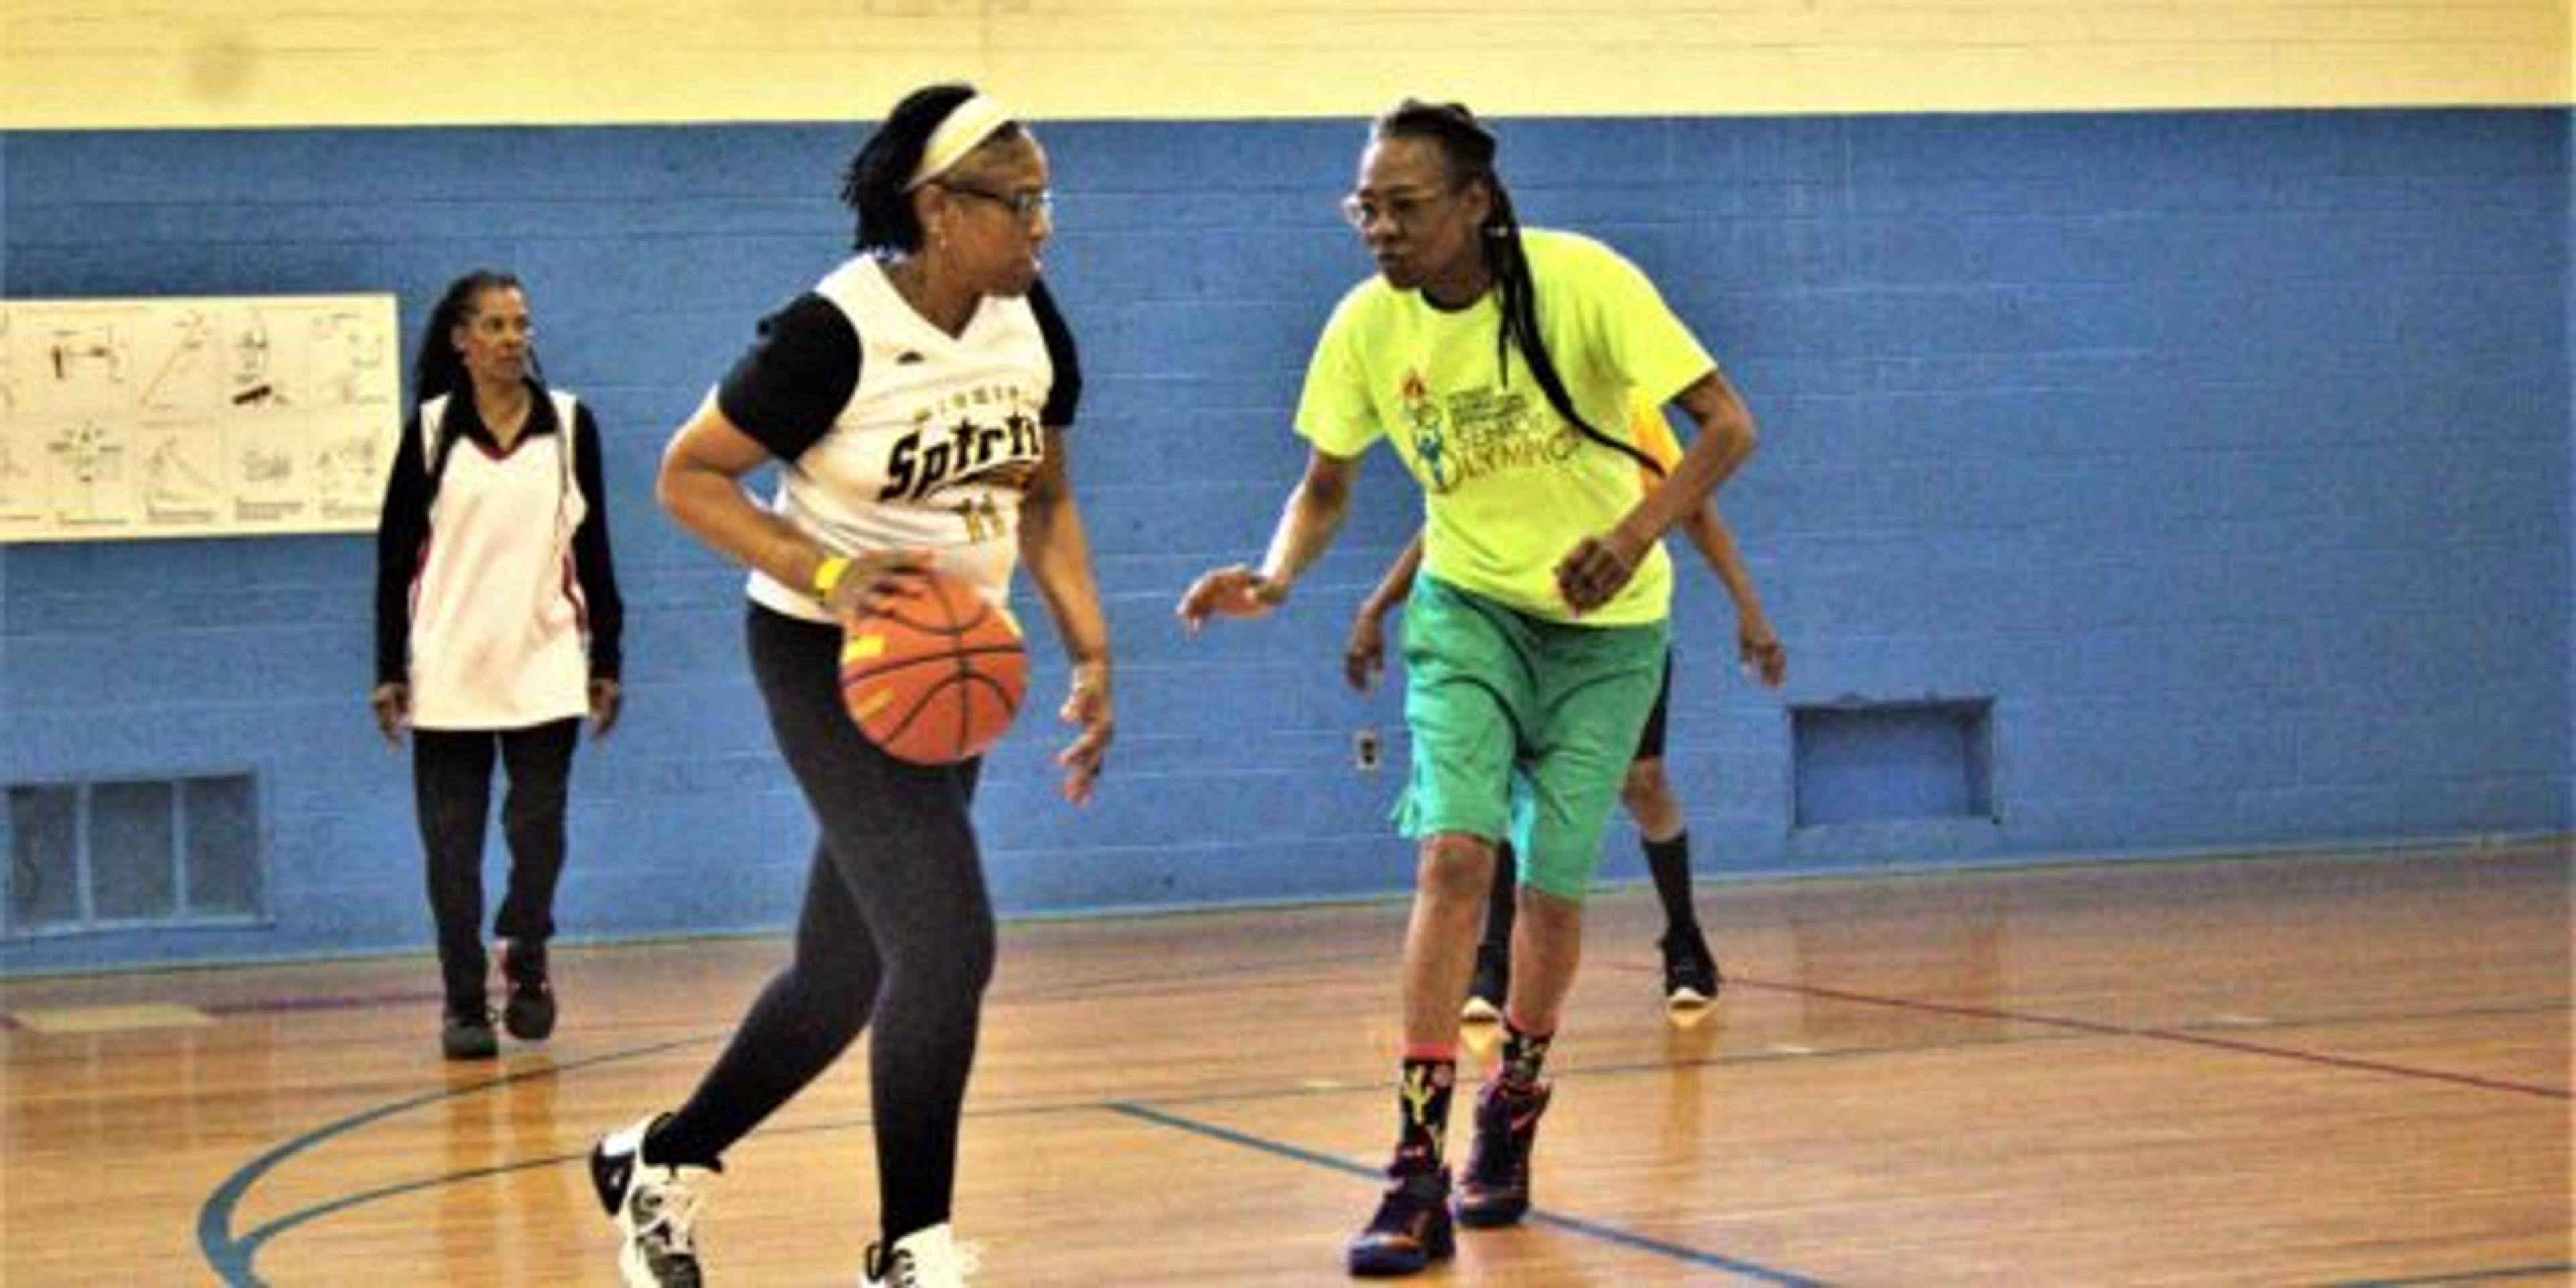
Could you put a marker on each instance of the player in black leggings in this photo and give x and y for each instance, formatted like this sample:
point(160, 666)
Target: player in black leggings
point(939, 326)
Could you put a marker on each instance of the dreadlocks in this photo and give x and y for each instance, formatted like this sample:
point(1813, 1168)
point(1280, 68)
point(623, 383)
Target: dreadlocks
point(1469, 149)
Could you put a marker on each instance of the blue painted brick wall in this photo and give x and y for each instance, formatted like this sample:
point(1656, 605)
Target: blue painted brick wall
point(2228, 453)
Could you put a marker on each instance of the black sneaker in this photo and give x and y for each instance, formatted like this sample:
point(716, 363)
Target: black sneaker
point(1690, 973)
point(467, 1034)
point(1492, 984)
point(1411, 1229)
point(1496, 1188)
point(654, 1203)
point(529, 1012)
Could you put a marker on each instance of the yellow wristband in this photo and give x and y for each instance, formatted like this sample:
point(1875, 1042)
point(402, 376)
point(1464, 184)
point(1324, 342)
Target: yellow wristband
point(827, 574)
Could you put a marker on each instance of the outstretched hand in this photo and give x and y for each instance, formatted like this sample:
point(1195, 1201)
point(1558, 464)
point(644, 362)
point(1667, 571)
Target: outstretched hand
point(1232, 591)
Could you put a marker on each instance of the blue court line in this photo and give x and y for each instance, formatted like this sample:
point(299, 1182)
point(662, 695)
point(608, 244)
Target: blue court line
point(230, 1256)
point(1537, 1216)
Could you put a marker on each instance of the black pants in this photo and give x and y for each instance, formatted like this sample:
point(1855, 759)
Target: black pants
point(451, 776)
point(896, 932)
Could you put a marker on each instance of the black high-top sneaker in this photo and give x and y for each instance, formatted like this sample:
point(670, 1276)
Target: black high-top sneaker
point(1411, 1229)
point(1690, 973)
point(1496, 1188)
point(467, 1032)
point(529, 1011)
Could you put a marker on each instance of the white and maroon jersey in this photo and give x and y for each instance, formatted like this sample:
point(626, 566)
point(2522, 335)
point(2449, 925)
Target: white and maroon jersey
point(498, 618)
point(894, 434)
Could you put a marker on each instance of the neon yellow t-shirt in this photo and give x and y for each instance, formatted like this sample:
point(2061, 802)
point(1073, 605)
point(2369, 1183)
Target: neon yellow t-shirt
point(1508, 486)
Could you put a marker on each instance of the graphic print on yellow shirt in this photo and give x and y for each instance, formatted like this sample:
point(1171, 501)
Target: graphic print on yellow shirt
point(1482, 432)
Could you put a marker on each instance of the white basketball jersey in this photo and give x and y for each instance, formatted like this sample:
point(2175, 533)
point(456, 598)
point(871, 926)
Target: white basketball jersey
point(936, 446)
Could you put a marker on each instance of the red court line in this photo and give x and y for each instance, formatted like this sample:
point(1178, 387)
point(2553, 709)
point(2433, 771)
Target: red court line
point(290, 1005)
point(2175, 1036)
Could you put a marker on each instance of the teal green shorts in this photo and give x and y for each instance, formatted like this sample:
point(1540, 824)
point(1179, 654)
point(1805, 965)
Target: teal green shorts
point(1522, 727)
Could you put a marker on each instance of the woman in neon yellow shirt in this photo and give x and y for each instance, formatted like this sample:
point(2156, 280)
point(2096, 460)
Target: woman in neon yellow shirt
point(1499, 363)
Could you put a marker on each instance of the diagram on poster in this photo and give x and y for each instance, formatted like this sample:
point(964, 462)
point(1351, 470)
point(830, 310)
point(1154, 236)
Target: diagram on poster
point(195, 417)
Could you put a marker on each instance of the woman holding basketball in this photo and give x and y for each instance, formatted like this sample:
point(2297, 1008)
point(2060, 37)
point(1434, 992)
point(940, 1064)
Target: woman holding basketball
point(497, 625)
point(915, 401)
point(1501, 363)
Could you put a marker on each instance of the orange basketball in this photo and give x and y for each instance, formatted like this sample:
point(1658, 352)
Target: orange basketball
point(935, 676)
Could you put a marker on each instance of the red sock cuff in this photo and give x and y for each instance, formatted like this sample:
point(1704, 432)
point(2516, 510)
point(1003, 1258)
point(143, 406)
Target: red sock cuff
point(1442, 1051)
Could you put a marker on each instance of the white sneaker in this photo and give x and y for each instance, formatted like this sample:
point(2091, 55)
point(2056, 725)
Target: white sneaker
point(654, 1204)
point(931, 1258)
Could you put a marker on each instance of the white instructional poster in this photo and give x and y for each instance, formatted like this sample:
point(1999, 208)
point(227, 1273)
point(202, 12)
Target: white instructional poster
point(209, 417)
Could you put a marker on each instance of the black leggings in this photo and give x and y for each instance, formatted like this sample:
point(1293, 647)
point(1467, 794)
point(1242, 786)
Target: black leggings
point(896, 931)
point(451, 775)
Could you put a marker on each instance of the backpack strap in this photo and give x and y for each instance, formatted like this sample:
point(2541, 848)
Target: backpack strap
point(432, 414)
point(567, 413)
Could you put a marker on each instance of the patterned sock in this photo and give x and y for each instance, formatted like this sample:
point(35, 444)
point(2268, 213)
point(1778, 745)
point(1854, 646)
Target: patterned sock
point(1523, 1053)
point(1422, 1105)
point(1669, 861)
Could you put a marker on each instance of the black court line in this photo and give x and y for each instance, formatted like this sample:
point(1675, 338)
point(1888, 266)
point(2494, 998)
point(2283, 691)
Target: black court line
point(1537, 1216)
point(2180, 1037)
point(2556, 1274)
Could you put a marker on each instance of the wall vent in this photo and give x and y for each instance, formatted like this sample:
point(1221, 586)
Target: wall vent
point(1873, 762)
point(121, 854)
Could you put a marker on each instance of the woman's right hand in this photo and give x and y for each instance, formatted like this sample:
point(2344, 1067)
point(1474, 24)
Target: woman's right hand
point(1232, 591)
point(873, 577)
point(391, 703)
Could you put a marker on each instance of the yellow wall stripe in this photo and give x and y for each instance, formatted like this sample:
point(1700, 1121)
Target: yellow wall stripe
point(92, 64)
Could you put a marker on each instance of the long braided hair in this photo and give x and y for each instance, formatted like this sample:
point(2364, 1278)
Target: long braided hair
point(1469, 149)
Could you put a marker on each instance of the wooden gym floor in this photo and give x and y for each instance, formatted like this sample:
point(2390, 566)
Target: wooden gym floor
point(2330, 1069)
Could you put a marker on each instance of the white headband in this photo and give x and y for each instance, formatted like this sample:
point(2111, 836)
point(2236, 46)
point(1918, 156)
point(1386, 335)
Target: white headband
point(967, 125)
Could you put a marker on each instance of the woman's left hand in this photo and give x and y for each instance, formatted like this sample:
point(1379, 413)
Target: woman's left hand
point(1087, 706)
point(606, 698)
point(1759, 648)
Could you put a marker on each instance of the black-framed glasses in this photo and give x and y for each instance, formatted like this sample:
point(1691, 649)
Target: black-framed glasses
point(1024, 206)
point(1402, 208)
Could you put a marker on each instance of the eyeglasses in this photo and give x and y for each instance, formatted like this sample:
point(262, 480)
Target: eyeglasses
point(1024, 206)
point(1399, 208)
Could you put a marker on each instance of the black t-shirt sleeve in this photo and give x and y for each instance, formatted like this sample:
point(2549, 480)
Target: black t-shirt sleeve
point(788, 386)
point(1066, 393)
point(401, 526)
point(592, 563)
